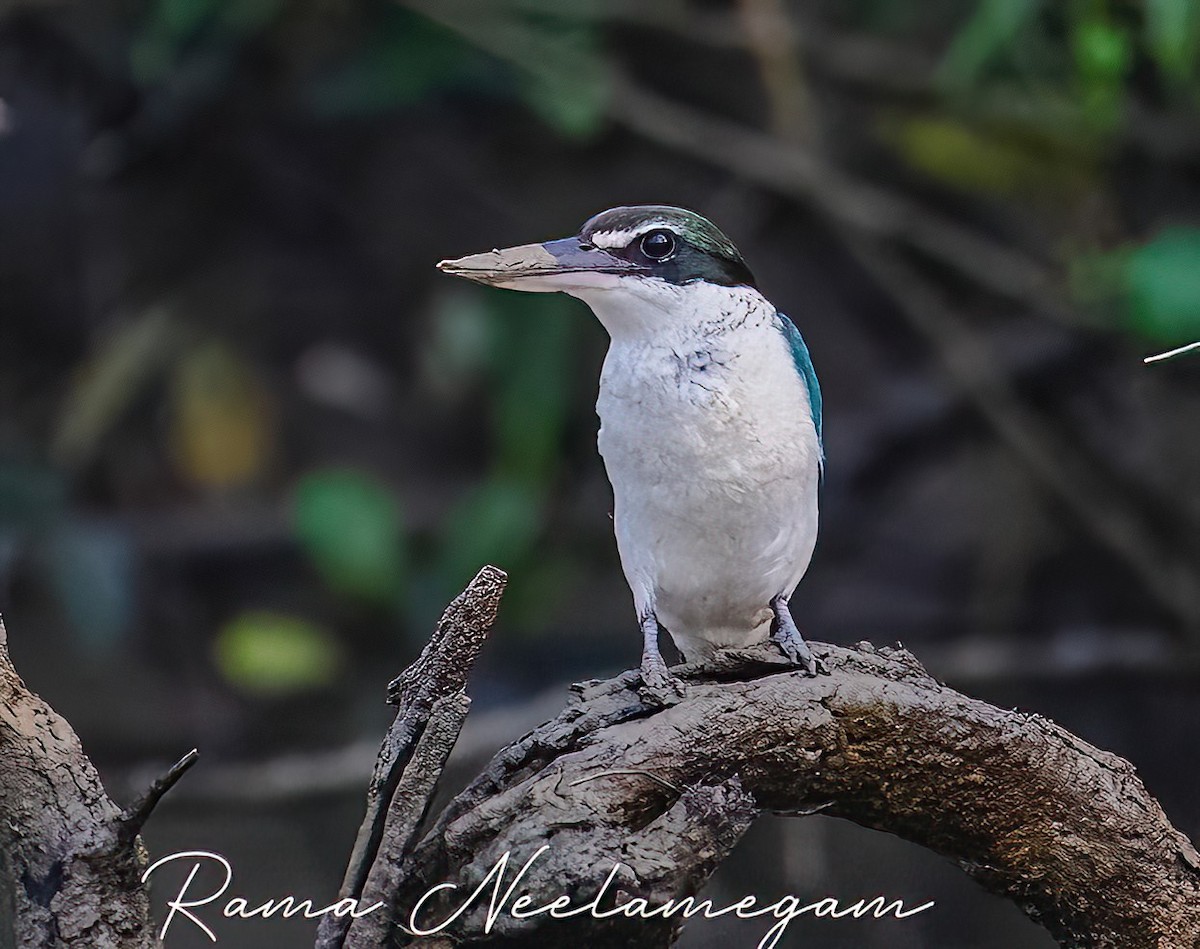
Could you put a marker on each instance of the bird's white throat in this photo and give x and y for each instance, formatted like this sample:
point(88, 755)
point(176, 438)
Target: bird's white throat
point(644, 308)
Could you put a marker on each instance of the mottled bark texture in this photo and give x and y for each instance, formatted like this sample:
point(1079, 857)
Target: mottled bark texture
point(431, 705)
point(1030, 811)
point(70, 859)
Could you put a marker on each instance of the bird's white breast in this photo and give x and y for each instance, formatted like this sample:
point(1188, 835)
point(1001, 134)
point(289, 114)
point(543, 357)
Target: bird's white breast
point(710, 446)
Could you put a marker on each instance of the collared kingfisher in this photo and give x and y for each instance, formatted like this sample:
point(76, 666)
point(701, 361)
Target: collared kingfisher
point(710, 427)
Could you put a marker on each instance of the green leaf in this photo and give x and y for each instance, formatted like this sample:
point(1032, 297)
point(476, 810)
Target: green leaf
point(1172, 32)
point(1103, 52)
point(988, 36)
point(1162, 284)
point(531, 376)
point(181, 18)
point(407, 58)
point(272, 654)
point(349, 524)
point(497, 523)
point(1001, 160)
point(248, 16)
point(572, 103)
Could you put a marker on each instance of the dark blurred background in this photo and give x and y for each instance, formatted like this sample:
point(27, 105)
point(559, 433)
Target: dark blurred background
point(251, 441)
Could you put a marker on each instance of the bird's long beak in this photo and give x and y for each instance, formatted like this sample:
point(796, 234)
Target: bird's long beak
point(565, 264)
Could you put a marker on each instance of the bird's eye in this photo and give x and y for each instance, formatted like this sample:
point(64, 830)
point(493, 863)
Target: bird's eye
point(658, 245)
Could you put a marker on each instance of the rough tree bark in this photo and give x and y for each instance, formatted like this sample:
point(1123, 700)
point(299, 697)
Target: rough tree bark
point(1029, 810)
point(432, 705)
point(662, 794)
point(70, 859)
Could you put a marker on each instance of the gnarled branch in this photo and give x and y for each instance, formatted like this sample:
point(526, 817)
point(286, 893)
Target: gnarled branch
point(70, 859)
point(1026, 808)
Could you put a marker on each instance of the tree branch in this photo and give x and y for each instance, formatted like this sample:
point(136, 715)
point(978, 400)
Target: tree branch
point(431, 707)
point(134, 817)
point(70, 866)
point(1026, 808)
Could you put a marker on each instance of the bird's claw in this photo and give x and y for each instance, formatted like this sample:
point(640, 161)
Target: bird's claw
point(786, 636)
point(798, 653)
point(659, 687)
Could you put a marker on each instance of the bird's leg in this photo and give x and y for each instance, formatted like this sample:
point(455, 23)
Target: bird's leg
point(786, 636)
point(658, 685)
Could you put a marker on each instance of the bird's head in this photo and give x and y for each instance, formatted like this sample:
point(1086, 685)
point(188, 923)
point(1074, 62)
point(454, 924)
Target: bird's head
point(626, 263)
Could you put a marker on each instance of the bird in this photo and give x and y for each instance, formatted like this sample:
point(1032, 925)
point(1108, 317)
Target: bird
point(710, 428)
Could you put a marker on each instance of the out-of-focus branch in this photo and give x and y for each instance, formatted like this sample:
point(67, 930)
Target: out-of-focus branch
point(1103, 511)
point(850, 57)
point(864, 208)
point(871, 219)
point(771, 38)
point(792, 170)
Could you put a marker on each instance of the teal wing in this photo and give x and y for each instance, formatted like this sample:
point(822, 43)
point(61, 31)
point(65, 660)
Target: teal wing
point(805, 367)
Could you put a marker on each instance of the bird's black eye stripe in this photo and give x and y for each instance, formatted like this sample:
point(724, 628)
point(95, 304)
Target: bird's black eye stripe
point(658, 245)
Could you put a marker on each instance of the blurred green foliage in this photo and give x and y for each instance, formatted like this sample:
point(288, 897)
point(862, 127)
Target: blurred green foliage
point(1026, 108)
point(530, 375)
point(998, 160)
point(272, 654)
point(123, 360)
point(1150, 288)
point(1161, 280)
point(550, 58)
point(1173, 38)
point(498, 522)
point(404, 58)
point(570, 89)
point(1036, 99)
point(986, 43)
point(1069, 67)
point(172, 28)
point(349, 523)
point(528, 367)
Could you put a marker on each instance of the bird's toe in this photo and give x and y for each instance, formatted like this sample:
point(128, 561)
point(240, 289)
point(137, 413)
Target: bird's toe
point(659, 687)
point(816, 666)
point(798, 653)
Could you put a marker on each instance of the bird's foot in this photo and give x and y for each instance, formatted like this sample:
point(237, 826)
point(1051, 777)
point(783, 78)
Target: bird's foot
point(787, 637)
point(798, 653)
point(659, 687)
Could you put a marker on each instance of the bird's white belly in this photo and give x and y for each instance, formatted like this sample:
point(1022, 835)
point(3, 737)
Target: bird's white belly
point(713, 461)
